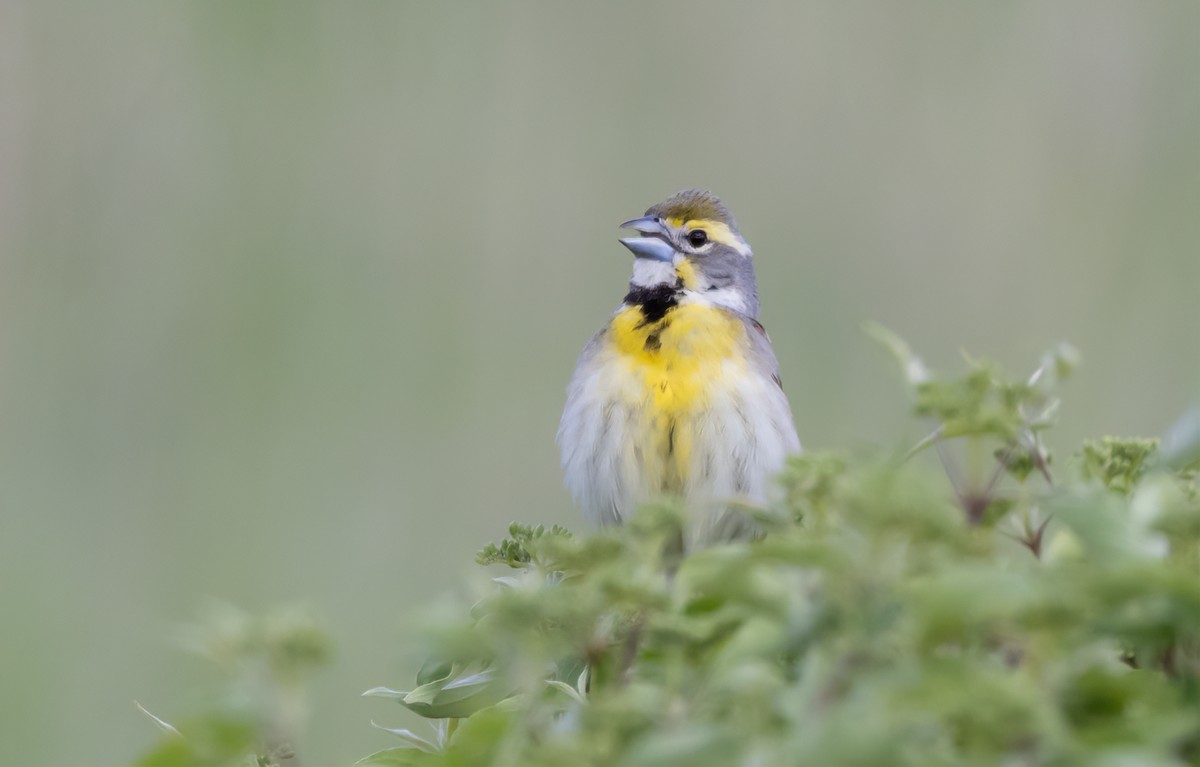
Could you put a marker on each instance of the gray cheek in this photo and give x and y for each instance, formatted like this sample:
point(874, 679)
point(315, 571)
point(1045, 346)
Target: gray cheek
point(717, 280)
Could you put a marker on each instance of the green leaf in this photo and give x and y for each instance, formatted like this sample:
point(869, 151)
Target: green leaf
point(914, 370)
point(384, 692)
point(1119, 463)
point(520, 549)
point(162, 725)
point(1103, 526)
point(434, 670)
point(477, 739)
point(211, 741)
point(1057, 364)
point(453, 698)
point(567, 690)
point(689, 747)
point(398, 757)
point(411, 738)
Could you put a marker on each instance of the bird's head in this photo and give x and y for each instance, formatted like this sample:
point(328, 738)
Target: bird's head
point(691, 242)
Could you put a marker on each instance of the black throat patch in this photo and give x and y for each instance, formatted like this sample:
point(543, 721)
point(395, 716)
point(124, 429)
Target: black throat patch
point(654, 302)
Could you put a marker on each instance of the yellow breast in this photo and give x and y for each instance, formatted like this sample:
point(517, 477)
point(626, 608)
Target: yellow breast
point(679, 363)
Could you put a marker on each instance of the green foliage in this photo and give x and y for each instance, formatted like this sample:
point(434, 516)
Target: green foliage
point(1118, 463)
point(882, 628)
point(396, 757)
point(267, 661)
point(810, 482)
point(999, 614)
point(515, 551)
point(875, 622)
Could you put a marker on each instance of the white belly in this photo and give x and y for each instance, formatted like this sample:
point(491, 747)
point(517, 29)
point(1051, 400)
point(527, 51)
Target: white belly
point(721, 451)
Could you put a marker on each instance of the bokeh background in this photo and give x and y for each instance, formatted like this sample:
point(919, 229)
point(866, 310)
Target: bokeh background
point(289, 292)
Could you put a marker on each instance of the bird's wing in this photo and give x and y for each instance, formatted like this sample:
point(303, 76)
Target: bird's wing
point(762, 352)
point(762, 360)
point(591, 440)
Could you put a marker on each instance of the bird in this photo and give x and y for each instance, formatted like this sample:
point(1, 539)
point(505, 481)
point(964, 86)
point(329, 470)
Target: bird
point(678, 396)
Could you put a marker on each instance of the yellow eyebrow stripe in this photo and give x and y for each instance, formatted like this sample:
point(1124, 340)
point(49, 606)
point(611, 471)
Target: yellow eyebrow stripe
point(716, 230)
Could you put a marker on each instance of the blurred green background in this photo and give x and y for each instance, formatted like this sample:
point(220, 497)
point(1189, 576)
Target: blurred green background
point(289, 293)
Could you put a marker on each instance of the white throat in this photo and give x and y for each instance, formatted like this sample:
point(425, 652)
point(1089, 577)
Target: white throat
point(726, 298)
point(648, 273)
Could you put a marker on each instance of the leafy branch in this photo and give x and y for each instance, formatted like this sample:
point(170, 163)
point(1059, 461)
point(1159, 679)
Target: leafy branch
point(878, 619)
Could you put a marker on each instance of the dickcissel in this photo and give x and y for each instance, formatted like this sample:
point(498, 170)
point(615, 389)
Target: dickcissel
point(678, 395)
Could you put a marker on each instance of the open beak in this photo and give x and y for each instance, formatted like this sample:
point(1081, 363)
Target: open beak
point(655, 245)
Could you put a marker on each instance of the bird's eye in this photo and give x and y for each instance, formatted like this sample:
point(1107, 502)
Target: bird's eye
point(697, 237)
